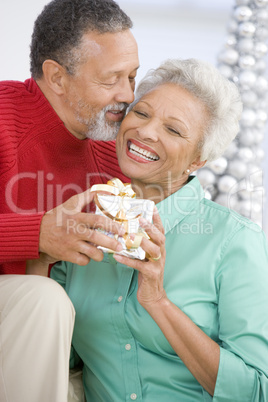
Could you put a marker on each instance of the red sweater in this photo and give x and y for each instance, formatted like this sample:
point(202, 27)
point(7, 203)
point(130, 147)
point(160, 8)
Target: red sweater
point(41, 165)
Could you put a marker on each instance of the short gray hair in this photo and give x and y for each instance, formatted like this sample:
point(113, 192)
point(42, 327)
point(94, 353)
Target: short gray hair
point(58, 30)
point(220, 97)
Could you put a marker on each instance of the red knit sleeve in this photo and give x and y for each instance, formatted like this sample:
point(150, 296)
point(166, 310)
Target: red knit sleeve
point(19, 233)
point(19, 236)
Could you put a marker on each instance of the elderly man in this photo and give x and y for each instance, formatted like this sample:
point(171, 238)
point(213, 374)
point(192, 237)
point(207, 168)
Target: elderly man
point(84, 62)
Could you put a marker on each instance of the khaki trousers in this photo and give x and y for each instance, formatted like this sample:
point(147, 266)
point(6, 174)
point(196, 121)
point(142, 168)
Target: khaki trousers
point(36, 325)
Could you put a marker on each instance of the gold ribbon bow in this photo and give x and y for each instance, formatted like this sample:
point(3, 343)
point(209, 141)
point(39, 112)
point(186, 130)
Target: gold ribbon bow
point(118, 188)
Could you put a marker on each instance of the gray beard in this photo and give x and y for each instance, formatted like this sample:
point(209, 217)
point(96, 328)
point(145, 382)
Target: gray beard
point(98, 128)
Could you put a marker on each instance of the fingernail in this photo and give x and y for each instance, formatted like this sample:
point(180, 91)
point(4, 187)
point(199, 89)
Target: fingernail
point(122, 231)
point(143, 221)
point(119, 247)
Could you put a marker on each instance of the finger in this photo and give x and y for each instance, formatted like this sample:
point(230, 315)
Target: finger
point(101, 222)
point(130, 262)
point(84, 255)
point(84, 199)
point(90, 251)
point(151, 248)
point(157, 221)
point(76, 203)
point(79, 259)
point(101, 239)
point(157, 236)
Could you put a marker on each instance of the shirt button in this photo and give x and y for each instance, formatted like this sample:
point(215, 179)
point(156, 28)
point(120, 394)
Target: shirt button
point(133, 397)
point(120, 298)
point(127, 346)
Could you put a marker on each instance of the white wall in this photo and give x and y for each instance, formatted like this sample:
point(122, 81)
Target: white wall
point(163, 28)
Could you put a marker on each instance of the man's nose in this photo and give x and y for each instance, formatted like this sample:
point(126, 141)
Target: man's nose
point(125, 93)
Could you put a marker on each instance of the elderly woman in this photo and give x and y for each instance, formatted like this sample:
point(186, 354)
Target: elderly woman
point(191, 322)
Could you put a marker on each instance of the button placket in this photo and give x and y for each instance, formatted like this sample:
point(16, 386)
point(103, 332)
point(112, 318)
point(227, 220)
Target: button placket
point(125, 337)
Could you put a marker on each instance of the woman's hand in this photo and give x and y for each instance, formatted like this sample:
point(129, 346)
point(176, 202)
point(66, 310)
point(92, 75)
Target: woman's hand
point(151, 271)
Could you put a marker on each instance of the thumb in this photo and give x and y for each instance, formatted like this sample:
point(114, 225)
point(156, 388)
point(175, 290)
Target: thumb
point(77, 202)
point(85, 198)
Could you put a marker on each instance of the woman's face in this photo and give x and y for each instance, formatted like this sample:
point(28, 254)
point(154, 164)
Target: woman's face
point(158, 139)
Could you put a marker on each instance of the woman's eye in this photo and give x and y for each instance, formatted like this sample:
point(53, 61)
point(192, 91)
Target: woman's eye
point(139, 113)
point(172, 130)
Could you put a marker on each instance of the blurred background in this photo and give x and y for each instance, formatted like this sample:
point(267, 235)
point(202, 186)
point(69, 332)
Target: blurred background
point(163, 29)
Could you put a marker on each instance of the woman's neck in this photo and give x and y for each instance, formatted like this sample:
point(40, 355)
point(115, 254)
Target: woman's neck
point(155, 191)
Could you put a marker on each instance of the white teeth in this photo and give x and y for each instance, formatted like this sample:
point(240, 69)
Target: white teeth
point(147, 155)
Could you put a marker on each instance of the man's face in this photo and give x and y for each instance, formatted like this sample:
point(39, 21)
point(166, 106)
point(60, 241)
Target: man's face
point(102, 86)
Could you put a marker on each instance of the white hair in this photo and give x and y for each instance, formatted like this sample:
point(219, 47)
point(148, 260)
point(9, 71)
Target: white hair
point(220, 97)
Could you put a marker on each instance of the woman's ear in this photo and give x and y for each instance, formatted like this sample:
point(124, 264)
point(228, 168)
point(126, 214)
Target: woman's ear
point(54, 75)
point(197, 164)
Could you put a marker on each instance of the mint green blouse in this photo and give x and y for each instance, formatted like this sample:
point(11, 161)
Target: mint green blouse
point(216, 272)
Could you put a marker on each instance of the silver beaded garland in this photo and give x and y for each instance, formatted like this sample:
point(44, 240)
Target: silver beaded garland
point(236, 179)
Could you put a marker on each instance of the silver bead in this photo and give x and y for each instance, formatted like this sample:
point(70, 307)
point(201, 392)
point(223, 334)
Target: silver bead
point(247, 137)
point(232, 26)
point(226, 183)
point(237, 168)
point(255, 175)
point(226, 200)
point(259, 136)
point(225, 70)
point(261, 33)
point(262, 103)
point(231, 151)
point(212, 190)
point(260, 66)
point(246, 62)
point(258, 153)
point(245, 154)
point(244, 208)
point(246, 29)
point(231, 41)
point(242, 13)
point(206, 177)
point(248, 118)
point(207, 194)
point(218, 166)
point(245, 45)
point(261, 118)
point(261, 3)
point(243, 192)
point(249, 98)
point(262, 16)
point(229, 56)
point(260, 50)
point(261, 85)
point(247, 79)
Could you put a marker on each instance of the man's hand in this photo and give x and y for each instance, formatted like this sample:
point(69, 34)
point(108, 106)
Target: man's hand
point(68, 234)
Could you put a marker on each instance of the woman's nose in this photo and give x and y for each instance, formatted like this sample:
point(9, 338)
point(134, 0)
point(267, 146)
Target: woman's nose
point(149, 131)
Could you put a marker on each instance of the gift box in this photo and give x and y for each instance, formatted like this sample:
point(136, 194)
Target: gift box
point(117, 201)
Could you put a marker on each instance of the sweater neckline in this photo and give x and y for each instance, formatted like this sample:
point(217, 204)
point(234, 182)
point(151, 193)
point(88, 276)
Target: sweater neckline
point(53, 120)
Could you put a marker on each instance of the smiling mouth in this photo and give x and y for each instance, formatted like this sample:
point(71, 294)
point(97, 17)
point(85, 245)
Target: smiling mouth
point(142, 153)
point(116, 115)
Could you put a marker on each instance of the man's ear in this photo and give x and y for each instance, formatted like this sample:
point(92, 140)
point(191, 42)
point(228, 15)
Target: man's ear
point(54, 75)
